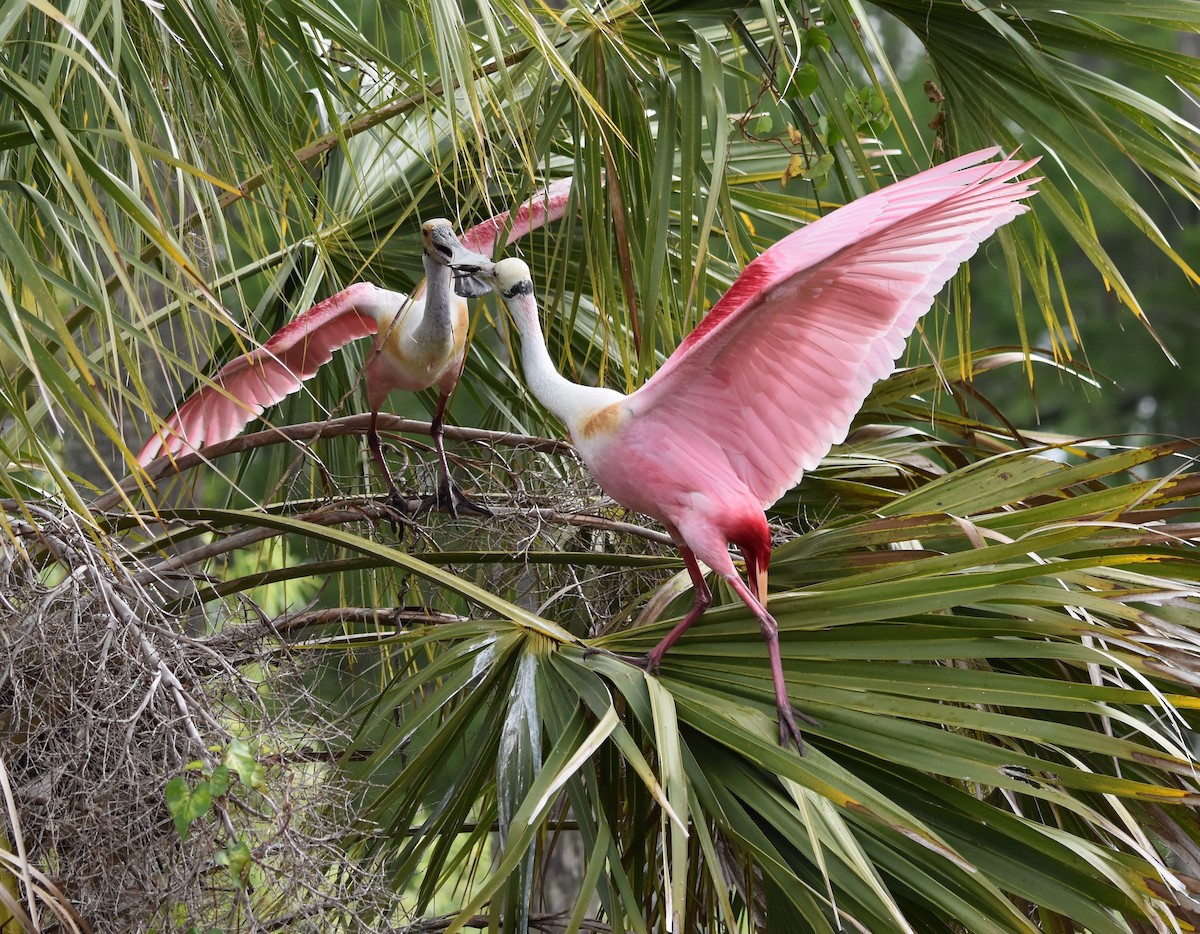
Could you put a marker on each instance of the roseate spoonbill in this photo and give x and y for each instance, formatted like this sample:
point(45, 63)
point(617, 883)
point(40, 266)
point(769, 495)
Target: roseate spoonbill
point(773, 375)
point(419, 342)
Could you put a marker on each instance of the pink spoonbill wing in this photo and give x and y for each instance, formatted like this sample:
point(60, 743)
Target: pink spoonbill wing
point(247, 385)
point(774, 374)
point(542, 208)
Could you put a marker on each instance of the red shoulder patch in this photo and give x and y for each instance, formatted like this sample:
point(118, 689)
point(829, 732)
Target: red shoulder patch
point(753, 281)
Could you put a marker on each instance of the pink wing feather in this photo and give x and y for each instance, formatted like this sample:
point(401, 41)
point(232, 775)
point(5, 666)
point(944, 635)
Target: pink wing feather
point(797, 342)
point(542, 208)
point(245, 386)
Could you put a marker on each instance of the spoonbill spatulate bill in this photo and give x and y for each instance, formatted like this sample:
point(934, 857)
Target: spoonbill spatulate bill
point(771, 378)
point(419, 342)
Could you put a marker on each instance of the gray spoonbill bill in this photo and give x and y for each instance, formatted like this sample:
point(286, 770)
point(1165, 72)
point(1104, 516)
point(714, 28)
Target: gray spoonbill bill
point(771, 378)
point(420, 341)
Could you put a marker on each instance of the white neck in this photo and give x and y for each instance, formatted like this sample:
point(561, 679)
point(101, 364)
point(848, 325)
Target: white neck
point(570, 402)
point(435, 320)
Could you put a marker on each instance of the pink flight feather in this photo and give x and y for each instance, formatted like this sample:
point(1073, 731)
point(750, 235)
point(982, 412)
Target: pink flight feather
point(243, 388)
point(792, 349)
point(545, 206)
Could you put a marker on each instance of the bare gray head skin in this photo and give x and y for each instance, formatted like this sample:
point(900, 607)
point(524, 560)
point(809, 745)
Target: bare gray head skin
point(511, 276)
point(514, 285)
point(441, 245)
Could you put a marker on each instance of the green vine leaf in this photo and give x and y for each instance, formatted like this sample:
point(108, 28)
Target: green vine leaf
point(240, 758)
point(218, 784)
point(236, 858)
point(186, 804)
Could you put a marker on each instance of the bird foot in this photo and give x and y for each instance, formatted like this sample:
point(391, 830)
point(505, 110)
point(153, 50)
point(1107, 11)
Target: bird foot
point(449, 498)
point(789, 733)
point(400, 509)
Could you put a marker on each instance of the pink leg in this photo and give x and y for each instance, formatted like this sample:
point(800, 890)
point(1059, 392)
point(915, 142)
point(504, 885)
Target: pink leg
point(788, 731)
point(448, 494)
point(377, 450)
point(396, 501)
point(701, 603)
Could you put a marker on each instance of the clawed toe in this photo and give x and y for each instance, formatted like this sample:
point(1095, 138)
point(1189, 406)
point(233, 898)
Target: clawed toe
point(400, 510)
point(449, 498)
point(400, 504)
point(789, 733)
point(811, 721)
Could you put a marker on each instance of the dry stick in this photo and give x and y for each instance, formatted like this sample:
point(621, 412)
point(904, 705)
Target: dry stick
point(166, 466)
point(10, 904)
point(26, 870)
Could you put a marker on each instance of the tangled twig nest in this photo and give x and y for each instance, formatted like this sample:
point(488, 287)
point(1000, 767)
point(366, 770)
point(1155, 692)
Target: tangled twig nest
point(558, 544)
point(104, 700)
point(547, 509)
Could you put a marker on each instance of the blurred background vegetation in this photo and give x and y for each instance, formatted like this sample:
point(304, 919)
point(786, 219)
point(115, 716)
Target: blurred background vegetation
point(235, 697)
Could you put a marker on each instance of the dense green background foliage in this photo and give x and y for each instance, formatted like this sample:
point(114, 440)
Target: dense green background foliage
point(301, 717)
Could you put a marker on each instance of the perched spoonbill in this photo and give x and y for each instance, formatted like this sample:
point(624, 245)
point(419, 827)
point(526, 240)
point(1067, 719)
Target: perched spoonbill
point(773, 375)
point(419, 342)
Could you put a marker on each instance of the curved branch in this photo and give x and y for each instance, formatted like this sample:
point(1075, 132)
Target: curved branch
point(306, 432)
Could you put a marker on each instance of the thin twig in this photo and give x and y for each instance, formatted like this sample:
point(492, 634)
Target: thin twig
point(295, 622)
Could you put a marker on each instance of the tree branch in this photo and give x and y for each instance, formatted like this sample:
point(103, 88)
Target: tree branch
point(307, 432)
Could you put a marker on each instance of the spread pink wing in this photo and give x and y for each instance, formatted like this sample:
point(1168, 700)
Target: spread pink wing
point(774, 374)
point(542, 208)
point(245, 386)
